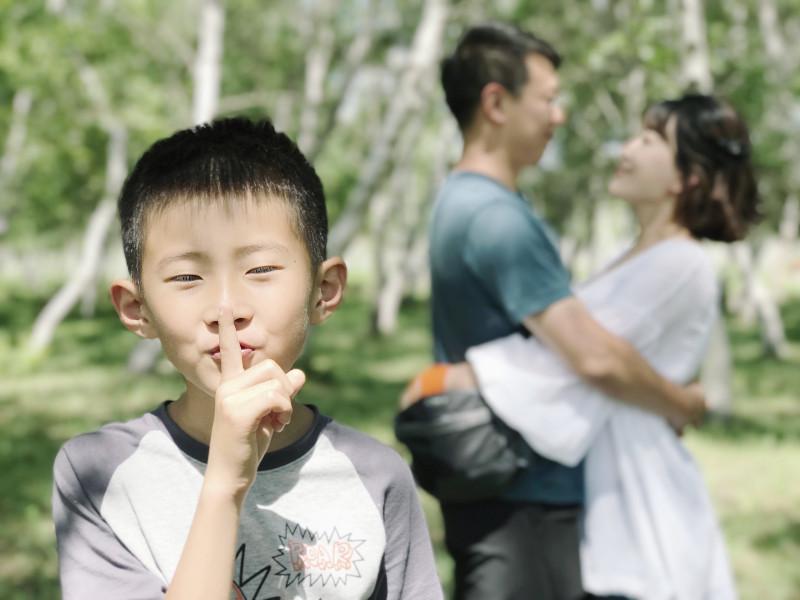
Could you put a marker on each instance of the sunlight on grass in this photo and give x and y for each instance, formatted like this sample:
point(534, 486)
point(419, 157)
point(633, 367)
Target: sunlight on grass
point(750, 461)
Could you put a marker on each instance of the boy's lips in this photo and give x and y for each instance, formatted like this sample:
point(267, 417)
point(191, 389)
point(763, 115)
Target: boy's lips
point(246, 350)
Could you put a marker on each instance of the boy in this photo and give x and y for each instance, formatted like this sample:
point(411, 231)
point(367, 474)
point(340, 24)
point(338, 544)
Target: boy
point(234, 489)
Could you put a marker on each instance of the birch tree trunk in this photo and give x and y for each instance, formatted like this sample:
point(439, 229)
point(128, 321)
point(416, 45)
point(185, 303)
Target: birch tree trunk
point(93, 243)
point(317, 64)
point(208, 61)
point(15, 140)
point(413, 88)
point(355, 56)
point(99, 222)
point(402, 258)
point(392, 209)
point(696, 66)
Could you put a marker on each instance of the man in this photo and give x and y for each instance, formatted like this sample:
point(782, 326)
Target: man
point(495, 270)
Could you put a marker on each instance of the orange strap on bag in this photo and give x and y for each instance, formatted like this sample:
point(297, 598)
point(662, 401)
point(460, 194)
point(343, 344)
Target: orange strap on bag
point(432, 380)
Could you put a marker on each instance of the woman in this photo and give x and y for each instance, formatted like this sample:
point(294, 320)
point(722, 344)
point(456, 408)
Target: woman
point(649, 528)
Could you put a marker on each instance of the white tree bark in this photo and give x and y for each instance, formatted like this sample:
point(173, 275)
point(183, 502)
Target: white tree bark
point(208, 61)
point(56, 6)
point(758, 303)
point(354, 59)
point(94, 241)
point(790, 220)
point(392, 208)
point(99, 223)
point(401, 258)
point(412, 89)
point(317, 65)
point(696, 66)
point(15, 140)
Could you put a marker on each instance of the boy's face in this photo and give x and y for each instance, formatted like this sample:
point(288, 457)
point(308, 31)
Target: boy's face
point(247, 257)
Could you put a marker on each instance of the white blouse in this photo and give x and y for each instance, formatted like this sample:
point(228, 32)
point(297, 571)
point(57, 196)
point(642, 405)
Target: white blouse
point(649, 528)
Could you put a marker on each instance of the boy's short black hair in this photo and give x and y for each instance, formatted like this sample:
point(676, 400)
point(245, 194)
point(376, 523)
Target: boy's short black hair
point(227, 158)
point(492, 52)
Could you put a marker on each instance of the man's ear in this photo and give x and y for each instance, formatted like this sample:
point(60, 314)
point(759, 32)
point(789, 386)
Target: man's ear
point(492, 102)
point(328, 289)
point(130, 307)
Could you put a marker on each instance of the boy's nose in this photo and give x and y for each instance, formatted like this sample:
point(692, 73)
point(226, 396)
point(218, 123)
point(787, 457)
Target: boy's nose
point(240, 308)
point(242, 314)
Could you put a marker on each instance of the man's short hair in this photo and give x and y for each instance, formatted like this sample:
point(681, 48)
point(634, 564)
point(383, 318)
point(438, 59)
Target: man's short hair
point(224, 161)
point(492, 52)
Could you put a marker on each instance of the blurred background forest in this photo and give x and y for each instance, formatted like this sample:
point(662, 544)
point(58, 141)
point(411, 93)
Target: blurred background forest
point(87, 85)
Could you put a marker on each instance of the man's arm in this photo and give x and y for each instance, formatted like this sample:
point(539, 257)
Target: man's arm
point(611, 364)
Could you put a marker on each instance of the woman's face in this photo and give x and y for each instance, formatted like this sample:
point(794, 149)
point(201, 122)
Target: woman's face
point(646, 171)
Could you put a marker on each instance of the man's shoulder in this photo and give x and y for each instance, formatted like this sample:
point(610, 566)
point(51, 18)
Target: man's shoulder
point(472, 191)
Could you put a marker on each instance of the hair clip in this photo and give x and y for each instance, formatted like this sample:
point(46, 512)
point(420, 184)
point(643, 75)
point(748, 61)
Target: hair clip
point(734, 147)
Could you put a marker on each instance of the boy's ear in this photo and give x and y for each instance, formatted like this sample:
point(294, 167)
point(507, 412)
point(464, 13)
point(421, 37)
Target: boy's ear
point(329, 289)
point(130, 307)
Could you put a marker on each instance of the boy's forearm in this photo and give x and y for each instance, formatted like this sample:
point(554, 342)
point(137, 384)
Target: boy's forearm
point(205, 569)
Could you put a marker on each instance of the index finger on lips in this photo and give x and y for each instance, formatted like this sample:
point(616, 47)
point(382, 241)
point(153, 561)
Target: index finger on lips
point(229, 349)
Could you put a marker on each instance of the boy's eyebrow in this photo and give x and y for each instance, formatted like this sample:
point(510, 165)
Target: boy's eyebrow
point(252, 248)
point(239, 252)
point(197, 256)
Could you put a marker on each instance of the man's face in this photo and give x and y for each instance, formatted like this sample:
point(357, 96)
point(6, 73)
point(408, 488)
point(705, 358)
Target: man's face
point(246, 257)
point(534, 113)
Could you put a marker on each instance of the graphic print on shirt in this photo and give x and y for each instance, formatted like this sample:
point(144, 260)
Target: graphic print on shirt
point(325, 558)
point(305, 559)
point(242, 577)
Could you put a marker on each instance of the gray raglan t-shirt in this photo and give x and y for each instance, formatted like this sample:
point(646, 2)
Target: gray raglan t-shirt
point(334, 515)
point(494, 262)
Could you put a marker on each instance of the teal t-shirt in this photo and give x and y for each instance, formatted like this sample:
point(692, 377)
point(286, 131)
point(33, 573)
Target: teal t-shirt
point(494, 262)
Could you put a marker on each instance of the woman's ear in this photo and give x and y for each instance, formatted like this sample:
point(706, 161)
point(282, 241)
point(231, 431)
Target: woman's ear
point(328, 290)
point(130, 307)
point(680, 185)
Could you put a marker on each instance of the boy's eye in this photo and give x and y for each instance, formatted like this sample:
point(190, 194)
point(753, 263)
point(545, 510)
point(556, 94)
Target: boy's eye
point(264, 269)
point(185, 278)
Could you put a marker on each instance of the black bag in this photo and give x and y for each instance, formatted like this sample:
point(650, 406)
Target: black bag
point(461, 451)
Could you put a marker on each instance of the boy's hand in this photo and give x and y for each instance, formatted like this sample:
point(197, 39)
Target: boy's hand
point(250, 405)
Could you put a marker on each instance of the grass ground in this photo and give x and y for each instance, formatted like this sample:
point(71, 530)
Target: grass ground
point(751, 462)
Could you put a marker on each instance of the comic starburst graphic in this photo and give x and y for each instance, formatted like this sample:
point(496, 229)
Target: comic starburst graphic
point(318, 558)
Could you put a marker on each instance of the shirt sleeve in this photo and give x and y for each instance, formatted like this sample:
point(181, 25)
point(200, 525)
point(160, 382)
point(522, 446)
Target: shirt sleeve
point(410, 566)
point(92, 561)
point(515, 260)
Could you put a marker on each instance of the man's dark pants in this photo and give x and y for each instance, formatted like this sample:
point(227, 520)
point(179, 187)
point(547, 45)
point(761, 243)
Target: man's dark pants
point(514, 551)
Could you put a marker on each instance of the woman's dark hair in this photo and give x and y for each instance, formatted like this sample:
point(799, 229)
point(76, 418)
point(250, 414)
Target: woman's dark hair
point(720, 196)
point(492, 52)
